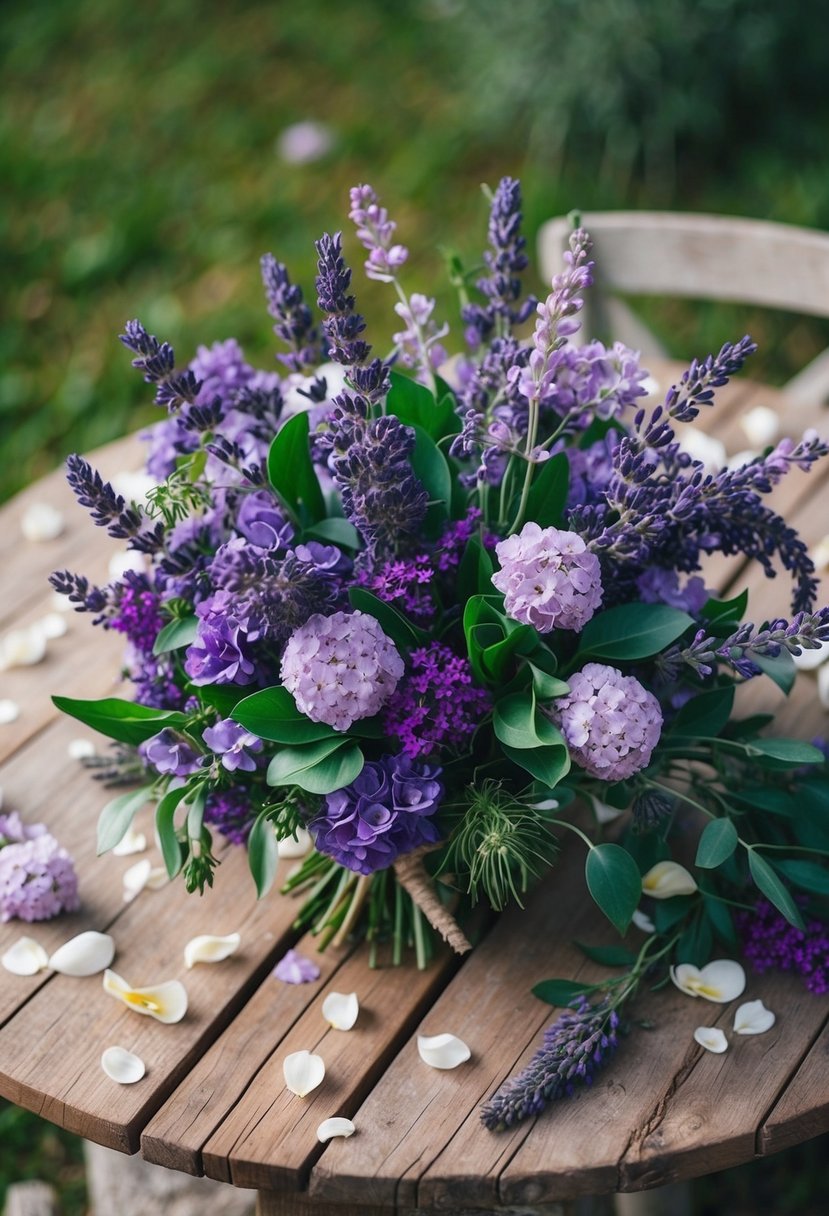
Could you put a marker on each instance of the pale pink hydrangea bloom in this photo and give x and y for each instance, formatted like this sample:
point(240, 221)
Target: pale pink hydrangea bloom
point(610, 722)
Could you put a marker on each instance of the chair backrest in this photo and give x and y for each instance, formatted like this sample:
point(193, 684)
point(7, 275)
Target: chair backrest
point(692, 256)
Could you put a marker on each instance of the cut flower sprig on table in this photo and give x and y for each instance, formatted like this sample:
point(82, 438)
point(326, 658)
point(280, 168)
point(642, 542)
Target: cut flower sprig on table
point(429, 607)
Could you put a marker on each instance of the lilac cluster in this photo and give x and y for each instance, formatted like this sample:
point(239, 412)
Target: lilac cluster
point(594, 381)
point(548, 578)
point(418, 344)
point(611, 724)
point(404, 582)
point(37, 877)
point(237, 747)
point(494, 380)
point(294, 322)
point(436, 708)
point(505, 261)
point(341, 668)
point(231, 812)
point(387, 811)
point(771, 943)
point(574, 1048)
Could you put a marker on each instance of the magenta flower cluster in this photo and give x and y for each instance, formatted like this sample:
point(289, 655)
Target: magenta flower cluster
point(37, 877)
point(549, 578)
point(341, 668)
point(610, 722)
point(436, 708)
point(772, 944)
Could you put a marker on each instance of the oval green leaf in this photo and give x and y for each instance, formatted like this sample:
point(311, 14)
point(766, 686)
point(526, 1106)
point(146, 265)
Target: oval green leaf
point(291, 472)
point(263, 854)
point(716, 844)
point(560, 992)
point(121, 720)
point(116, 818)
point(633, 631)
point(614, 881)
point(770, 883)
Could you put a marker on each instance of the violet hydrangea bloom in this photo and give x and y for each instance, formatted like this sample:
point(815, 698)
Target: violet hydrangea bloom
point(341, 668)
point(220, 653)
point(234, 744)
point(262, 523)
point(549, 578)
point(436, 707)
point(169, 753)
point(387, 810)
point(37, 880)
point(611, 724)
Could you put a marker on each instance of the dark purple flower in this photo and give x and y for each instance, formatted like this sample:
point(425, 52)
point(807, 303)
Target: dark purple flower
point(294, 322)
point(221, 652)
point(771, 943)
point(404, 582)
point(170, 753)
point(385, 811)
point(236, 745)
point(262, 522)
point(232, 813)
point(138, 614)
point(157, 361)
point(436, 707)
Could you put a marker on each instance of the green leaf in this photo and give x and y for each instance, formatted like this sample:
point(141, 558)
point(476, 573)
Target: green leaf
point(432, 470)
point(705, 714)
point(222, 697)
point(335, 532)
point(560, 992)
point(780, 669)
point(614, 882)
point(548, 493)
point(273, 714)
point(475, 571)
point(730, 611)
point(497, 658)
point(116, 818)
point(263, 854)
point(545, 686)
point(165, 826)
point(546, 764)
point(121, 720)
point(808, 875)
point(694, 945)
point(518, 723)
point(319, 768)
point(608, 956)
point(633, 631)
point(716, 844)
point(394, 624)
point(291, 472)
point(773, 888)
point(789, 752)
point(415, 405)
point(176, 634)
point(721, 920)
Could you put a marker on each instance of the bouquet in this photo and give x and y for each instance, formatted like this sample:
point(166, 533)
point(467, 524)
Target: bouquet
point(413, 616)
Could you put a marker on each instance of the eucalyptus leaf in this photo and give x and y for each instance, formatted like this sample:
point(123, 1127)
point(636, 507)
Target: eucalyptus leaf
point(121, 720)
point(263, 854)
point(166, 828)
point(633, 631)
point(291, 472)
point(789, 752)
point(614, 881)
point(731, 611)
point(116, 818)
point(780, 668)
point(560, 992)
point(272, 714)
point(716, 844)
point(176, 634)
point(772, 886)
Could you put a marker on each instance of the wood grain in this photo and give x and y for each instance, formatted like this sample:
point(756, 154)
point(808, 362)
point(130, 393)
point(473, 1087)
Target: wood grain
point(802, 1110)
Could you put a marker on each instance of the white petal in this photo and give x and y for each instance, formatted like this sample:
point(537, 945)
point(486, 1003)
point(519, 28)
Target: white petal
point(709, 451)
point(442, 1050)
point(303, 1072)
point(9, 712)
point(79, 749)
point(823, 685)
point(721, 981)
point(808, 660)
point(295, 848)
point(334, 1127)
point(711, 1038)
point(52, 626)
point(25, 957)
point(209, 949)
point(122, 1066)
point(61, 603)
point(131, 842)
point(133, 484)
point(143, 875)
point(86, 954)
point(753, 1018)
point(341, 1010)
point(761, 426)
point(603, 812)
point(165, 1002)
point(741, 458)
point(666, 879)
point(22, 648)
point(651, 386)
point(643, 922)
point(820, 555)
point(121, 563)
point(41, 521)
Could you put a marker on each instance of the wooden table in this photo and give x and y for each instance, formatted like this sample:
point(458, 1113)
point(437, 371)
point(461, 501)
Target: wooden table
point(213, 1100)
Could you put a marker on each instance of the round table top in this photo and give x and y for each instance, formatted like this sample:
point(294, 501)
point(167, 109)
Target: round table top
point(213, 1099)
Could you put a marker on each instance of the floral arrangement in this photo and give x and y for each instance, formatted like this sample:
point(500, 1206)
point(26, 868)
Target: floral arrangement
point(416, 616)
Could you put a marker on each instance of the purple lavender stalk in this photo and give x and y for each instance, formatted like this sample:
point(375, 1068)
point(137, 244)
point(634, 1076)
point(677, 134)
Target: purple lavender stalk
point(157, 361)
point(294, 320)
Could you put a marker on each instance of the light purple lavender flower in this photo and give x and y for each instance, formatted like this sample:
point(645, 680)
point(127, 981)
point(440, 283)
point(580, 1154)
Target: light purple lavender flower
point(549, 578)
point(418, 345)
point(262, 523)
point(385, 811)
point(236, 745)
point(168, 752)
point(341, 668)
point(376, 231)
point(610, 722)
point(294, 968)
point(220, 653)
point(37, 880)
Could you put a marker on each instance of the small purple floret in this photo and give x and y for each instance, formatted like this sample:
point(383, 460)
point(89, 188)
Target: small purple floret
point(170, 754)
point(37, 880)
point(436, 708)
point(236, 745)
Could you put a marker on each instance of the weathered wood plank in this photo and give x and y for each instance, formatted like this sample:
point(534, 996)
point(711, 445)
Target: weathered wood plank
point(802, 1110)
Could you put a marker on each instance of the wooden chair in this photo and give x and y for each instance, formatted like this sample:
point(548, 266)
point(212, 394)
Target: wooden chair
point(708, 257)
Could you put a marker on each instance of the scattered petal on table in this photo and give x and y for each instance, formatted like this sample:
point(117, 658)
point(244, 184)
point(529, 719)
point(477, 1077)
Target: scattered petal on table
point(823, 685)
point(22, 648)
point(25, 957)
point(753, 1018)
point(165, 1002)
point(721, 981)
point(52, 626)
point(604, 812)
point(143, 876)
point(820, 555)
point(122, 1066)
point(301, 143)
point(294, 968)
point(303, 1072)
point(705, 448)
point(290, 848)
point(131, 842)
point(9, 712)
point(61, 603)
point(209, 949)
point(334, 1127)
point(134, 484)
point(121, 563)
point(341, 1010)
point(761, 426)
point(41, 521)
point(666, 879)
point(643, 922)
point(79, 749)
point(808, 660)
point(442, 1050)
point(711, 1038)
point(86, 954)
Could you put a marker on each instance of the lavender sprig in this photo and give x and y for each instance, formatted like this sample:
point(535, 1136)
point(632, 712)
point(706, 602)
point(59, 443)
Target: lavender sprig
point(294, 320)
point(696, 388)
point(109, 509)
point(86, 596)
point(806, 631)
point(505, 261)
point(157, 361)
point(342, 325)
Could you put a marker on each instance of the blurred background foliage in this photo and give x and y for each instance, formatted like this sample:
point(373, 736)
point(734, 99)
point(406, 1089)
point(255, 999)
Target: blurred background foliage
point(145, 168)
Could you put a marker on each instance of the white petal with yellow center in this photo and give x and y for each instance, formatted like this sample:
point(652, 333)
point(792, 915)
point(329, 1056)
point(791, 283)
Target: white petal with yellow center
point(25, 957)
point(753, 1018)
point(165, 1002)
point(303, 1072)
point(721, 981)
point(711, 1038)
point(761, 426)
point(334, 1127)
point(291, 848)
point(86, 954)
point(22, 648)
point(122, 1066)
point(143, 876)
point(341, 1010)
point(210, 949)
point(131, 842)
point(41, 521)
point(667, 879)
point(442, 1050)
point(80, 749)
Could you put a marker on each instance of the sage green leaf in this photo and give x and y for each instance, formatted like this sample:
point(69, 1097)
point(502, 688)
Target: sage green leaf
point(121, 720)
point(319, 768)
point(807, 875)
point(415, 405)
point(548, 493)
point(291, 472)
point(116, 818)
point(165, 827)
point(770, 883)
point(788, 752)
point(263, 854)
point(780, 668)
point(272, 714)
point(560, 992)
point(393, 623)
point(547, 764)
point(716, 844)
point(432, 470)
point(614, 881)
point(608, 956)
point(176, 634)
point(705, 714)
point(633, 631)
